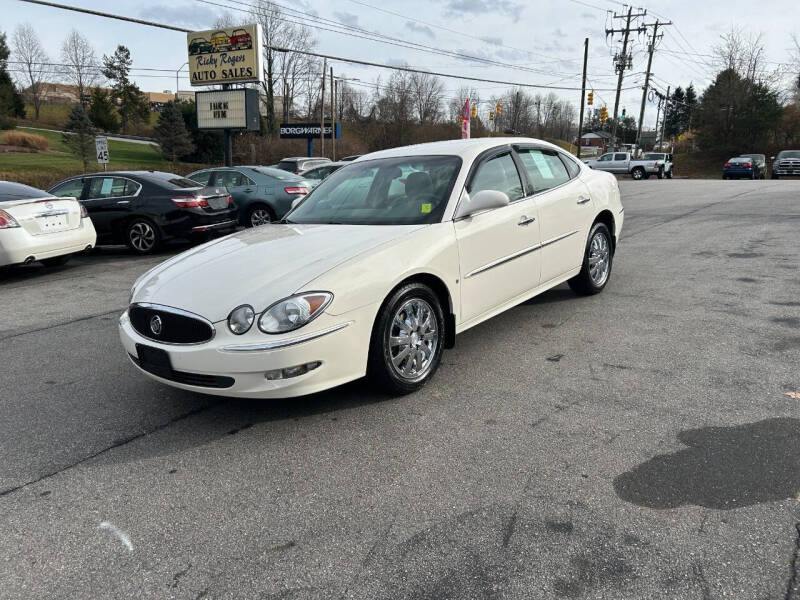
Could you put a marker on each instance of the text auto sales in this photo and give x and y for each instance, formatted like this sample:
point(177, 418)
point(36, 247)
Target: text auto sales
point(233, 72)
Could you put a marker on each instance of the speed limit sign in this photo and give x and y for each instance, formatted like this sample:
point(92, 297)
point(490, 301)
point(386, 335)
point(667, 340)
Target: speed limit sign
point(101, 145)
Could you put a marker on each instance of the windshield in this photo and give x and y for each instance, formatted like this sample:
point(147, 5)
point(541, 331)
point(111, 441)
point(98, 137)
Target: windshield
point(653, 156)
point(789, 154)
point(408, 190)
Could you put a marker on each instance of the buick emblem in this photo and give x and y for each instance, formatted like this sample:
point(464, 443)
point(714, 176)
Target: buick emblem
point(156, 325)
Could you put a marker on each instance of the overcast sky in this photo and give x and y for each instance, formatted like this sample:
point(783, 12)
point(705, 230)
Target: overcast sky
point(543, 38)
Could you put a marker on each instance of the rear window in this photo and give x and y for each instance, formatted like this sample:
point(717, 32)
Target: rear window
point(287, 165)
point(171, 181)
point(16, 191)
point(739, 160)
point(277, 173)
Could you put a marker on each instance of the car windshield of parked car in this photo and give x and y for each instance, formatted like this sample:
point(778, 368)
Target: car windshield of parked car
point(407, 190)
point(277, 174)
point(789, 154)
point(14, 192)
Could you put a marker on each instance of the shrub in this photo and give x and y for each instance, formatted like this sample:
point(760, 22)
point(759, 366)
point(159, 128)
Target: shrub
point(27, 140)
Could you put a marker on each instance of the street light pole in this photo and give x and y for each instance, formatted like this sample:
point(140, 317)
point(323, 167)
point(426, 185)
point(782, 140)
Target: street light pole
point(177, 72)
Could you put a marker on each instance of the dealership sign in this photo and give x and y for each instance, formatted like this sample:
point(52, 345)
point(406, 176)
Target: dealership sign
point(220, 56)
point(308, 130)
point(228, 109)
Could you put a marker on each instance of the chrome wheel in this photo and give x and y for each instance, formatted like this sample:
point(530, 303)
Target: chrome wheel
point(142, 236)
point(599, 259)
point(260, 216)
point(413, 339)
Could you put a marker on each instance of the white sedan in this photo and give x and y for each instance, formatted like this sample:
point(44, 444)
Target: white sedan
point(36, 226)
point(376, 271)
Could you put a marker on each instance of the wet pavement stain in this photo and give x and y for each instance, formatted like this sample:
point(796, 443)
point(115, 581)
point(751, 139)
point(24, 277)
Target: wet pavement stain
point(722, 468)
point(744, 254)
point(793, 322)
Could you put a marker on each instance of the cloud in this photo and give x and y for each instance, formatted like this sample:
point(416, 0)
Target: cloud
point(493, 40)
point(588, 15)
point(477, 7)
point(192, 16)
point(560, 33)
point(423, 29)
point(347, 18)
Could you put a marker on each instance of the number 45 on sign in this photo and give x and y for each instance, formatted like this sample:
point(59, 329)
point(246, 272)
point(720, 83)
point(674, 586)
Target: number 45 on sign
point(101, 145)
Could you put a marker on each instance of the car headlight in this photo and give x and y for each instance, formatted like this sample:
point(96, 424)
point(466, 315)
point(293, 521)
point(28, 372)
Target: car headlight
point(294, 312)
point(133, 291)
point(241, 319)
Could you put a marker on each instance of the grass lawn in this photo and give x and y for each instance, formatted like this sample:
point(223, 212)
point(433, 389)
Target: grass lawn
point(43, 169)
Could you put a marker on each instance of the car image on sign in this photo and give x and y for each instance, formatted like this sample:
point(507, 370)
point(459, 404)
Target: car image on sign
point(200, 46)
point(376, 270)
point(240, 40)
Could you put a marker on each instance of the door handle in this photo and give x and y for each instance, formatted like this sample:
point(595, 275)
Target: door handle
point(124, 202)
point(526, 220)
point(248, 190)
point(583, 199)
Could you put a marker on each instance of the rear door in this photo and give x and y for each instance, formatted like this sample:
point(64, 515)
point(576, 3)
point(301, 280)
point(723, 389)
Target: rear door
point(564, 207)
point(240, 186)
point(497, 248)
point(620, 163)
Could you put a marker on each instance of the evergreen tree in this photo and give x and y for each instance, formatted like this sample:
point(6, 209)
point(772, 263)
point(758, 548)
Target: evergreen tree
point(79, 135)
point(688, 109)
point(132, 105)
point(672, 127)
point(209, 145)
point(101, 110)
point(11, 104)
point(172, 135)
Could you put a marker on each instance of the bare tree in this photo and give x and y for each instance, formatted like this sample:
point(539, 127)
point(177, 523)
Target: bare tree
point(82, 69)
point(32, 57)
point(427, 91)
point(455, 104)
point(742, 53)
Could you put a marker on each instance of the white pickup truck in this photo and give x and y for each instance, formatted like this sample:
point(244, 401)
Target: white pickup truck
point(652, 163)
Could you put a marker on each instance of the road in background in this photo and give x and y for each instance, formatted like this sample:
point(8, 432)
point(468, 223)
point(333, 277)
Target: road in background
point(641, 443)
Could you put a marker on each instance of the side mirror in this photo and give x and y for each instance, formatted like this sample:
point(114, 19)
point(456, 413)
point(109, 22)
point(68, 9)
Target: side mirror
point(297, 201)
point(480, 201)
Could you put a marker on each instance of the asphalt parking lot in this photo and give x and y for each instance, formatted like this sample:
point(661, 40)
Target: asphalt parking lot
point(642, 443)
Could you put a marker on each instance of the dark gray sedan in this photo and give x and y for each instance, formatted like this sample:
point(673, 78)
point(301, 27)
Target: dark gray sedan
point(262, 194)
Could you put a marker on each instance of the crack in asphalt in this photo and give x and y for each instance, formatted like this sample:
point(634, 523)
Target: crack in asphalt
point(793, 587)
point(117, 444)
point(62, 324)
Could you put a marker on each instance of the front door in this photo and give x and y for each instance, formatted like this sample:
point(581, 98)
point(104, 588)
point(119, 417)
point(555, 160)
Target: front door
point(497, 248)
point(108, 201)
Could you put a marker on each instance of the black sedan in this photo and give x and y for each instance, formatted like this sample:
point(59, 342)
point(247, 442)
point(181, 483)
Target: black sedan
point(144, 208)
point(740, 167)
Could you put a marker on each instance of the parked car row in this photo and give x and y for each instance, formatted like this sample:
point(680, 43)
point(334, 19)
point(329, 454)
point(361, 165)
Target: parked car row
point(754, 166)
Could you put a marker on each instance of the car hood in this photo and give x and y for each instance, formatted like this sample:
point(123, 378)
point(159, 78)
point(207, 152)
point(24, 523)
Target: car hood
point(258, 266)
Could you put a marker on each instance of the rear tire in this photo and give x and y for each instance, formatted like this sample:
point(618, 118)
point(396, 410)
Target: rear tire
point(660, 173)
point(408, 339)
point(56, 261)
point(638, 173)
point(142, 236)
point(259, 214)
point(597, 261)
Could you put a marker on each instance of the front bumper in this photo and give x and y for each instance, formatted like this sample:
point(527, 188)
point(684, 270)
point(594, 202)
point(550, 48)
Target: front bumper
point(787, 171)
point(17, 245)
point(341, 345)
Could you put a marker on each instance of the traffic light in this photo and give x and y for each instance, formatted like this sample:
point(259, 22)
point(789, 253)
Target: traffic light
point(491, 115)
point(623, 112)
point(474, 112)
point(590, 101)
point(499, 108)
point(604, 114)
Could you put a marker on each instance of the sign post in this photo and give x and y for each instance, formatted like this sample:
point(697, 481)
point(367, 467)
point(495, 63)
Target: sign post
point(223, 57)
point(101, 148)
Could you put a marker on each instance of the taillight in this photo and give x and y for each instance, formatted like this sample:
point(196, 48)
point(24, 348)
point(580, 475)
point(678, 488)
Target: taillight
point(190, 201)
point(747, 165)
point(230, 199)
point(299, 191)
point(7, 221)
point(84, 213)
point(727, 165)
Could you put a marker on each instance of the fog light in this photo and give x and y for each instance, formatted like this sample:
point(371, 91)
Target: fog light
point(290, 372)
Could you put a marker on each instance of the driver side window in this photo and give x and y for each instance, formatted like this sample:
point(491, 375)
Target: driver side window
point(500, 174)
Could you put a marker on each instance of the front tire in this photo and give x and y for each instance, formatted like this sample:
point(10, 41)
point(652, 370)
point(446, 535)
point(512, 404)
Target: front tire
point(407, 340)
point(142, 236)
point(597, 260)
point(669, 174)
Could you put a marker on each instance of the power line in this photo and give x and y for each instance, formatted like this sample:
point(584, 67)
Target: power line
point(306, 52)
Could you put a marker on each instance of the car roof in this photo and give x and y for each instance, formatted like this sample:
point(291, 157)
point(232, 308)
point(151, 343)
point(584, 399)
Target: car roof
point(466, 149)
point(305, 158)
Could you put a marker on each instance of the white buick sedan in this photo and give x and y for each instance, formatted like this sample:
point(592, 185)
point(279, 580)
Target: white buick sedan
point(376, 271)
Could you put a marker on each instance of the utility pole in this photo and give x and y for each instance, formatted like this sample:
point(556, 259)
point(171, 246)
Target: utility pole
point(583, 93)
point(322, 109)
point(664, 121)
point(622, 61)
point(651, 50)
point(333, 115)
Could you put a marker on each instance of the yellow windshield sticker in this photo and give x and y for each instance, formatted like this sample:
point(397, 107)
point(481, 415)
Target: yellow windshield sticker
point(426, 208)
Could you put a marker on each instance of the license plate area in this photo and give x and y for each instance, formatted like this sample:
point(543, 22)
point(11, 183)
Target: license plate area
point(51, 224)
point(218, 203)
point(154, 360)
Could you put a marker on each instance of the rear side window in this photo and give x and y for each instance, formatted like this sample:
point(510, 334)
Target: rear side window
point(73, 187)
point(106, 187)
point(202, 177)
point(572, 167)
point(231, 179)
point(620, 156)
point(500, 174)
point(544, 169)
